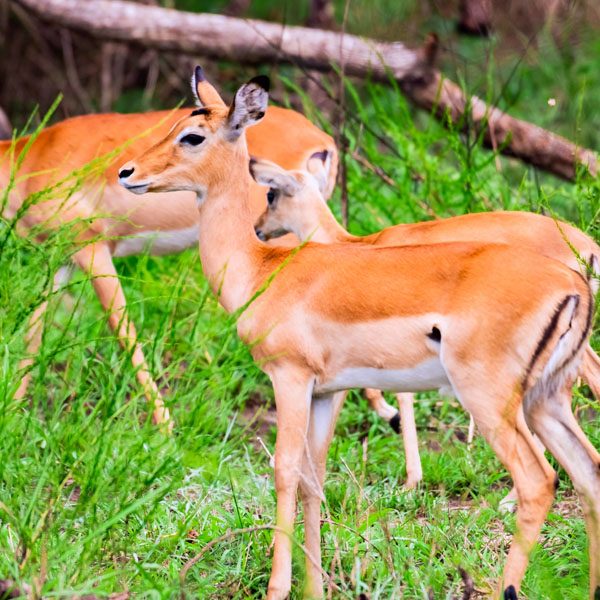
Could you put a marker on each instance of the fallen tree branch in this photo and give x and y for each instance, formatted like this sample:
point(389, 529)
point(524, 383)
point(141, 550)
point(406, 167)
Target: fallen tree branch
point(253, 41)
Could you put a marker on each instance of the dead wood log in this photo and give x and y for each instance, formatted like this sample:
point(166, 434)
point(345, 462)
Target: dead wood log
point(252, 41)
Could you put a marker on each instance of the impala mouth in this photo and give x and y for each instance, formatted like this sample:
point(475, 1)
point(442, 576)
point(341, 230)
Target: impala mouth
point(136, 188)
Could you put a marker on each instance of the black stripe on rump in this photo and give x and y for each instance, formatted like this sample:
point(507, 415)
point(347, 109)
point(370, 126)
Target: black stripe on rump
point(548, 332)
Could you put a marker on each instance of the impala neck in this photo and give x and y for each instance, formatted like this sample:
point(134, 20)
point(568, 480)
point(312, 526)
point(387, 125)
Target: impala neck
point(324, 229)
point(229, 249)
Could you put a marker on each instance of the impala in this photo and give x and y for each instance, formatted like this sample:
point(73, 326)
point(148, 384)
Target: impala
point(295, 205)
point(505, 330)
point(127, 225)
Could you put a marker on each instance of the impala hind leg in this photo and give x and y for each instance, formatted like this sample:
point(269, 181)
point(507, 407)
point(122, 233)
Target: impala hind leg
point(503, 426)
point(508, 504)
point(552, 419)
point(414, 471)
point(323, 416)
point(401, 420)
point(96, 260)
point(35, 331)
point(293, 391)
point(383, 409)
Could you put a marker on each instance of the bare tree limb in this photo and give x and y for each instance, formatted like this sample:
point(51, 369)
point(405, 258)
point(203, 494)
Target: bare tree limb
point(252, 41)
point(218, 36)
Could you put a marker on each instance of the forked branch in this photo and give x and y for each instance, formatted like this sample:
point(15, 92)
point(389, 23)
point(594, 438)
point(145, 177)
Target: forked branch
point(253, 41)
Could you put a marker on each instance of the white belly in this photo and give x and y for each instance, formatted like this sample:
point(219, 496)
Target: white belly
point(157, 242)
point(428, 375)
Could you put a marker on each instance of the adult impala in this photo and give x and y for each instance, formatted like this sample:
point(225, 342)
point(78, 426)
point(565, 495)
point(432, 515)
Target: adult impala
point(295, 205)
point(504, 329)
point(127, 225)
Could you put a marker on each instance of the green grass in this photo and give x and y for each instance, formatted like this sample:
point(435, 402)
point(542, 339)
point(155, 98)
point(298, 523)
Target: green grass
point(93, 499)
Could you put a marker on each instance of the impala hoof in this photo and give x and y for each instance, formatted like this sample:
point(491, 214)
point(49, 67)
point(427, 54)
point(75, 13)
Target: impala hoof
point(410, 484)
point(510, 593)
point(395, 422)
point(597, 593)
point(277, 594)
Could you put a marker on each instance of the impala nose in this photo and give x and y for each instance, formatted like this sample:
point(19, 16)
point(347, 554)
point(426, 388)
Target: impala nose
point(260, 235)
point(125, 173)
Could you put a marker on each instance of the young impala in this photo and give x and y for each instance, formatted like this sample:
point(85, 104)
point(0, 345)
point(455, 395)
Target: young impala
point(124, 224)
point(295, 204)
point(505, 330)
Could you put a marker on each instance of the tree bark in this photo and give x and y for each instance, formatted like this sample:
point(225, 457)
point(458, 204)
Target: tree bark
point(252, 41)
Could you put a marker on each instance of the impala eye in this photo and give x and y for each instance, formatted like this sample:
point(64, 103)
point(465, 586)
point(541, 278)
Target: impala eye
point(271, 196)
point(192, 139)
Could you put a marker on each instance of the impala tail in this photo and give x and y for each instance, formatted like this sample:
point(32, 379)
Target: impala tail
point(591, 361)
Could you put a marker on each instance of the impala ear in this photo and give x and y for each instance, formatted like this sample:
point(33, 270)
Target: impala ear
point(249, 105)
point(204, 93)
point(274, 177)
point(319, 166)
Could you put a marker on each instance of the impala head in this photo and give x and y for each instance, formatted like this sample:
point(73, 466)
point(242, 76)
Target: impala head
point(200, 149)
point(293, 200)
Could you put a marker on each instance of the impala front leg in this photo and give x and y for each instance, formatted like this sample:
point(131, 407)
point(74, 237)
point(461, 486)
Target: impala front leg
point(323, 416)
point(293, 391)
point(96, 260)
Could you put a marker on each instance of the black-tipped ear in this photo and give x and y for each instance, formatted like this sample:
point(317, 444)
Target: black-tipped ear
point(262, 81)
point(199, 74)
point(197, 77)
point(319, 166)
point(204, 93)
